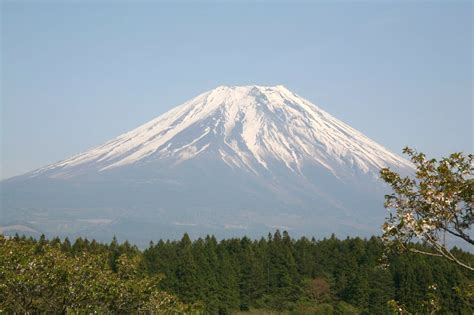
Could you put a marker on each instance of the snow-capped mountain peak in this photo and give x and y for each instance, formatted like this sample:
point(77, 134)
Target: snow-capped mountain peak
point(233, 160)
point(246, 127)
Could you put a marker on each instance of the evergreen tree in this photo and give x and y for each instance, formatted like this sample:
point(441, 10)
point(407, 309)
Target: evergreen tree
point(229, 290)
point(187, 284)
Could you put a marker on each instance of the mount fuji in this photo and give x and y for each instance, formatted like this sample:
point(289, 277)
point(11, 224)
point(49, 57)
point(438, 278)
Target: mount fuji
point(232, 161)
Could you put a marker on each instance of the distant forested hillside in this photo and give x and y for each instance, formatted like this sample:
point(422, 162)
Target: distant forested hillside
point(276, 273)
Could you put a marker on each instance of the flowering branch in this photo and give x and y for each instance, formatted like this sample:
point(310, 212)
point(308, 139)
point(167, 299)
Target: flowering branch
point(437, 201)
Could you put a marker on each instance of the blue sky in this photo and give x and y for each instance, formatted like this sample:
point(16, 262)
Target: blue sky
point(77, 74)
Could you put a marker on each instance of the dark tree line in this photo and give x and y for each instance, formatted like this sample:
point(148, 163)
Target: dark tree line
point(302, 276)
point(346, 276)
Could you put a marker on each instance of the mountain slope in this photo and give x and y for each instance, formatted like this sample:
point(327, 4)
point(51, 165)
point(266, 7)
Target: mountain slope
point(230, 158)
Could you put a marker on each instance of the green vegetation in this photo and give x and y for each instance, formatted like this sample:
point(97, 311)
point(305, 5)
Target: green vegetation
point(273, 275)
point(50, 277)
point(434, 205)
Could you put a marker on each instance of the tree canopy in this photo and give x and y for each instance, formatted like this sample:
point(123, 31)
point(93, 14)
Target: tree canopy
point(434, 206)
point(273, 274)
point(53, 278)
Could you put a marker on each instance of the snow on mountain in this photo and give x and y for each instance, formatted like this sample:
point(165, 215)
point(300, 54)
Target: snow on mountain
point(237, 160)
point(247, 127)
